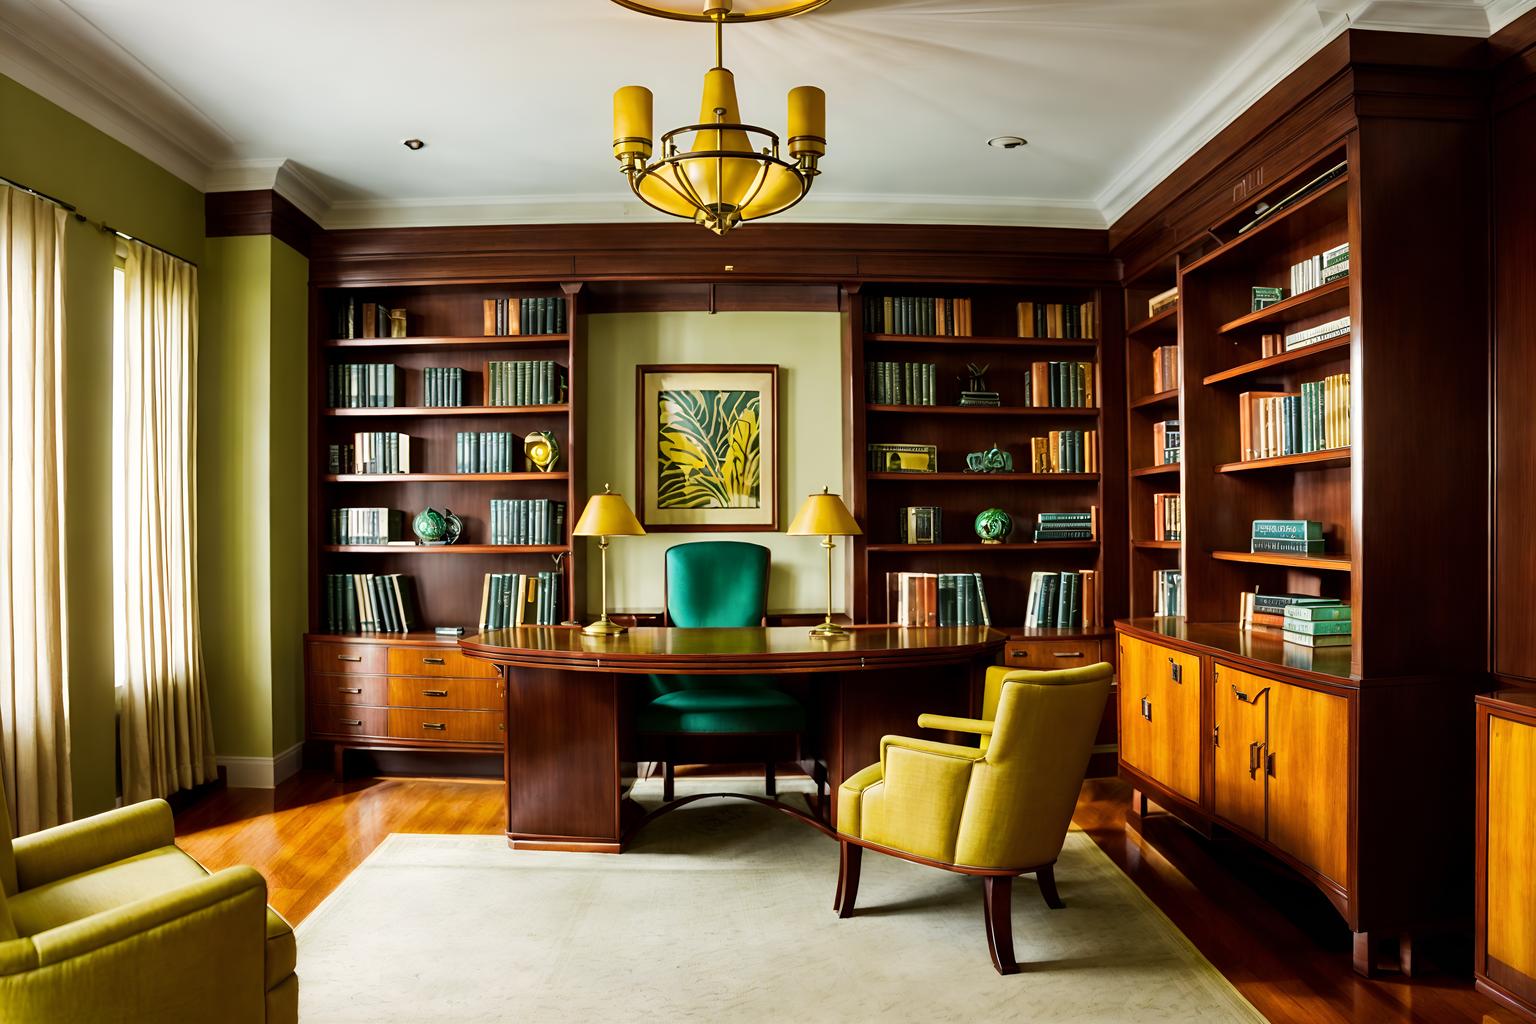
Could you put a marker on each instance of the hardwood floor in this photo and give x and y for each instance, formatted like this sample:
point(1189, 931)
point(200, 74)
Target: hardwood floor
point(1275, 938)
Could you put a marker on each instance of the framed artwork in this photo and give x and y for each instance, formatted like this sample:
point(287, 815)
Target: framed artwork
point(707, 447)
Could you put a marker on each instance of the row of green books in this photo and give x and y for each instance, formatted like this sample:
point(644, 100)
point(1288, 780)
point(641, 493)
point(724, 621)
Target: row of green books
point(524, 382)
point(487, 451)
point(527, 521)
point(368, 602)
point(541, 315)
point(372, 452)
point(512, 599)
point(1318, 625)
point(1058, 320)
point(1060, 384)
point(921, 524)
point(354, 318)
point(1167, 591)
point(1287, 537)
point(936, 599)
point(890, 383)
point(362, 385)
point(912, 314)
point(443, 387)
point(1061, 600)
point(1067, 525)
point(1065, 451)
point(367, 525)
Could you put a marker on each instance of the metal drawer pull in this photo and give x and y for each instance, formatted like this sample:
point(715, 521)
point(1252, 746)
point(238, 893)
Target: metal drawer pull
point(349, 657)
point(1066, 654)
point(351, 721)
point(434, 693)
point(433, 661)
point(1018, 654)
point(1253, 759)
point(439, 726)
point(1175, 671)
point(349, 689)
point(1146, 709)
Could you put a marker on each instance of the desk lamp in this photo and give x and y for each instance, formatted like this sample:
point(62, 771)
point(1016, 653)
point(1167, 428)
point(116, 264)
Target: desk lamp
point(606, 515)
point(824, 515)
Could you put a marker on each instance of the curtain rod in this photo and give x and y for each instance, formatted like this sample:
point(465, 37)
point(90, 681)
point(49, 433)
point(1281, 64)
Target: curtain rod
point(83, 219)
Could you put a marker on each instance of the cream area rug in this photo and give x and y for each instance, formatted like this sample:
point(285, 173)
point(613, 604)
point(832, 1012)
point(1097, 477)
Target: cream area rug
point(722, 911)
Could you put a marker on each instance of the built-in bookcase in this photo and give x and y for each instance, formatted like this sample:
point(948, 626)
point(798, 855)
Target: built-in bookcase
point(1151, 400)
point(445, 328)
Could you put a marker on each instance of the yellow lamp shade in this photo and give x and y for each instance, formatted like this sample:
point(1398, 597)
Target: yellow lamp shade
point(632, 122)
point(807, 121)
point(824, 515)
point(608, 515)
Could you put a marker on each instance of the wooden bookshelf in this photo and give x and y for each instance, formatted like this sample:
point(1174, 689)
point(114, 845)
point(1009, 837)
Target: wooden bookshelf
point(1322, 351)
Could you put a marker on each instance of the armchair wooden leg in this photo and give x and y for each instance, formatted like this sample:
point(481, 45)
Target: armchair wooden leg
point(667, 788)
point(1046, 876)
point(849, 858)
point(770, 780)
point(997, 909)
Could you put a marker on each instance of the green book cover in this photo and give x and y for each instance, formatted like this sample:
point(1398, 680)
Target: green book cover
point(1308, 640)
point(1318, 613)
point(1319, 628)
point(1288, 529)
point(1284, 546)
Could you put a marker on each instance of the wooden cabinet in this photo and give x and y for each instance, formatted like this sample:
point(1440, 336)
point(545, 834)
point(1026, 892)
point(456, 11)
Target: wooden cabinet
point(1239, 741)
point(1506, 846)
point(1044, 655)
point(1308, 766)
point(1160, 714)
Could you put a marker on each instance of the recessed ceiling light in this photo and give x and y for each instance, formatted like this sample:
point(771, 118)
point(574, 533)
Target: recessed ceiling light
point(412, 144)
point(1007, 142)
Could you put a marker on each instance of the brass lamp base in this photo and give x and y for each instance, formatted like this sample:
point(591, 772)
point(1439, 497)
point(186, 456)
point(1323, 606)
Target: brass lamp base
point(604, 626)
point(829, 628)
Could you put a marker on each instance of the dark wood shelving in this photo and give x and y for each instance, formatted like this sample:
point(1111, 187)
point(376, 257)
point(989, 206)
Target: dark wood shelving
point(372, 478)
point(450, 342)
point(1294, 357)
point(1170, 467)
point(1166, 322)
point(1157, 545)
point(1007, 548)
point(1157, 399)
point(1325, 206)
point(986, 477)
point(1327, 563)
point(445, 549)
point(1327, 457)
point(1297, 307)
point(455, 410)
point(987, 410)
point(981, 342)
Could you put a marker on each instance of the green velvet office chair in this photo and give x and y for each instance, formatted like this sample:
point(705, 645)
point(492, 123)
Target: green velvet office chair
point(105, 920)
point(712, 585)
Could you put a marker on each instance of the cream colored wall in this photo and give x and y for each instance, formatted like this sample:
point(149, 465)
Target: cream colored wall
point(808, 350)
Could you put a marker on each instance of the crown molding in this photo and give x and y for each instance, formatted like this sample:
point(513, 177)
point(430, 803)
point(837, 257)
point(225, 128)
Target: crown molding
point(1502, 12)
point(1472, 18)
point(284, 177)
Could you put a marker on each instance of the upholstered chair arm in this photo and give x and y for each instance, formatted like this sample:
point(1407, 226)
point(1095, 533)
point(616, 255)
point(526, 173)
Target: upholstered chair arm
point(80, 846)
point(949, 723)
point(924, 796)
point(931, 747)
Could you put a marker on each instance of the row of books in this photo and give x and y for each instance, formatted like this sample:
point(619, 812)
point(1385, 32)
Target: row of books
point(1067, 525)
point(1327, 331)
point(527, 521)
point(1276, 423)
point(511, 317)
point(1062, 385)
point(512, 599)
point(367, 525)
point(354, 318)
point(524, 382)
point(1065, 451)
point(1162, 302)
point(1168, 516)
point(1167, 591)
point(1287, 537)
point(1165, 368)
point(920, 524)
point(487, 451)
point(371, 452)
point(1305, 620)
point(912, 314)
point(1167, 443)
point(903, 458)
point(362, 385)
point(1058, 320)
point(936, 599)
point(1063, 599)
point(1316, 271)
point(366, 602)
point(443, 387)
point(901, 383)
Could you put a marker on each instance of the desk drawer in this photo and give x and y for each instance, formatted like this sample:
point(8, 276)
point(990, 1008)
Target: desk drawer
point(370, 659)
point(451, 694)
point(1044, 655)
point(338, 720)
point(445, 726)
point(354, 689)
point(437, 661)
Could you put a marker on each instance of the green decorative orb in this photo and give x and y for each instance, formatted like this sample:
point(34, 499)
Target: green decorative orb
point(429, 526)
point(993, 525)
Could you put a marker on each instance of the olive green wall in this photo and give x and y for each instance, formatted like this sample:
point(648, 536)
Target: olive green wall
point(808, 349)
point(48, 149)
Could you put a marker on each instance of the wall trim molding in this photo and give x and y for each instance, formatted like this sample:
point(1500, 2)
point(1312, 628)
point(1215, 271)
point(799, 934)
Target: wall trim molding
point(261, 772)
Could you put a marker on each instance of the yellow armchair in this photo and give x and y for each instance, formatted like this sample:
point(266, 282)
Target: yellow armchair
point(105, 921)
point(996, 810)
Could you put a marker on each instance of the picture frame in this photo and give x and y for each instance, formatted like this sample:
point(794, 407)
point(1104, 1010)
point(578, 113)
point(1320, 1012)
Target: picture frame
point(707, 447)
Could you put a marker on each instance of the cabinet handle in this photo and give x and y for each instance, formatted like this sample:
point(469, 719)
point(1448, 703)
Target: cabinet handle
point(434, 693)
point(1146, 709)
point(1240, 695)
point(349, 657)
point(1269, 764)
point(1018, 654)
point(1175, 671)
point(439, 726)
point(351, 721)
point(1066, 654)
point(1216, 735)
point(349, 689)
point(433, 661)
point(1253, 759)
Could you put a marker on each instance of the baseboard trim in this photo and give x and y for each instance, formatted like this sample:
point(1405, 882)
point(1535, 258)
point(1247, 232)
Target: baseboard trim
point(262, 772)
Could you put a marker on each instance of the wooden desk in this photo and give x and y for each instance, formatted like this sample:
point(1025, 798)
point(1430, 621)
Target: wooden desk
point(571, 702)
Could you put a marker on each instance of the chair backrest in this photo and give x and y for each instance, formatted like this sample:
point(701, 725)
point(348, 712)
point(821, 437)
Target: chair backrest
point(716, 583)
point(1022, 794)
point(7, 857)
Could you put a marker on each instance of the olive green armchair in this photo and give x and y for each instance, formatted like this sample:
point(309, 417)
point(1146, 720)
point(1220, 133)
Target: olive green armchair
point(105, 921)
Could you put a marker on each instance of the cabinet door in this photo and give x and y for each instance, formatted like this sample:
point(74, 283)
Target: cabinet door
point(1175, 734)
point(1511, 853)
point(1134, 687)
point(1240, 710)
point(1308, 763)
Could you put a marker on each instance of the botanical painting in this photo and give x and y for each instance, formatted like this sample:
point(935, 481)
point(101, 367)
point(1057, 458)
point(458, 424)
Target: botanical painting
point(707, 447)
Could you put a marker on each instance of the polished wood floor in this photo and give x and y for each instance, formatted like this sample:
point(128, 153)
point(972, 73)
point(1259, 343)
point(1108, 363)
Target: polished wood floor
point(1275, 938)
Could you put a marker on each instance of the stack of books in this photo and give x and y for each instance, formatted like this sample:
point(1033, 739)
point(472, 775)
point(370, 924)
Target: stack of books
point(1063, 600)
point(1271, 345)
point(362, 385)
point(1167, 591)
point(903, 458)
point(1162, 301)
point(1165, 369)
point(1288, 612)
point(936, 599)
point(1316, 271)
point(1058, 320)
point(372, 452)
point(355, 318)
point(367, 526)
point(512, 317)
point(981, 398)
point(1168, 516)
point(365, 602)
point(902, 383)
point(527, 521)
point(486, 451)
point(1061, 385)
point(921, 524)
point(1287, 537)
point(512, 599)
point(1065, 451)
point(1318, 625)
point(910, 314)
point(443, 387)
point(1336, 328)
point(1068, 525)
point(1276, 423)
point(515, 382)
point(1167, 443)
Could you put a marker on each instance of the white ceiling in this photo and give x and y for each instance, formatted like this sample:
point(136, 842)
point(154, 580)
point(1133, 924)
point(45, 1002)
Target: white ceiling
point(513, 97)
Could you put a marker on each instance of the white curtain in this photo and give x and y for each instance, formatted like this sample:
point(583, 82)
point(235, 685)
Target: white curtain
point(34, 664)
point(164, 728)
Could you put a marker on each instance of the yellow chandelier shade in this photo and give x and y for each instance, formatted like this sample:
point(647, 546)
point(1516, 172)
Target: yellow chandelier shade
point(807, 121)
point(632, 133)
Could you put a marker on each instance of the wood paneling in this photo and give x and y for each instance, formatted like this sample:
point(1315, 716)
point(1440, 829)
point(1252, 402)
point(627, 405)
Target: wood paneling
point(259, 212)
point(1308, 758)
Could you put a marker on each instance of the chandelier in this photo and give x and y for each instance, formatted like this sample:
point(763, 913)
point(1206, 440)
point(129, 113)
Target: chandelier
point(729, 172)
